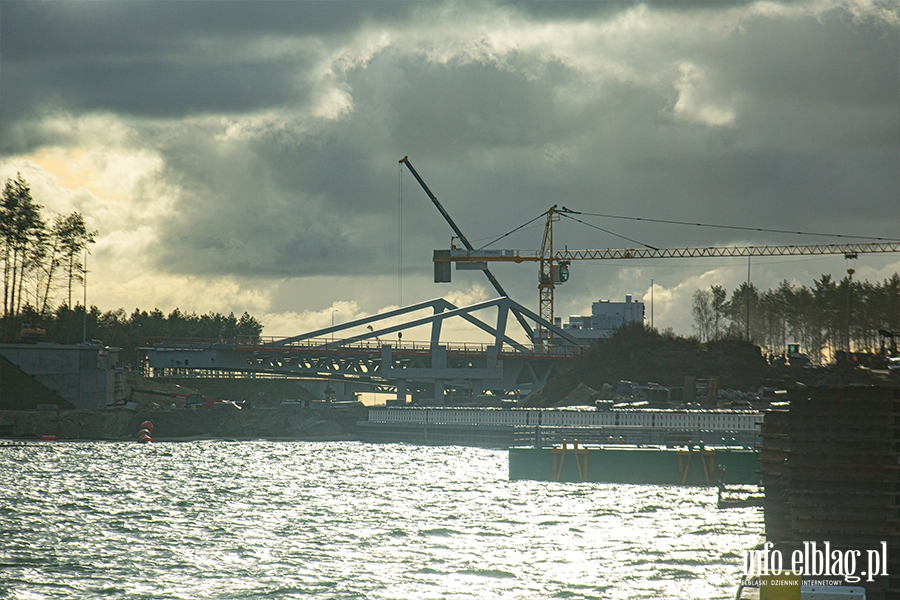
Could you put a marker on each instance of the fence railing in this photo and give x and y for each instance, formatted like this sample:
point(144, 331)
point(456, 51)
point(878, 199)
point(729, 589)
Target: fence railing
point(336, 345)
point(543, 436)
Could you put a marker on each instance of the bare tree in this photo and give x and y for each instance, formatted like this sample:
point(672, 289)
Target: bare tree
point(703, 315)
point(719, 307)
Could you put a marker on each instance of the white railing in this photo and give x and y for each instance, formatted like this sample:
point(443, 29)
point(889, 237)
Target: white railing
point(720, 420)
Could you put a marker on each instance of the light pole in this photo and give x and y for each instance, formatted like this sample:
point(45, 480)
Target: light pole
point(748, 298)
point(850, 273)
point(84, 324)
point(651, 304)
point(332, 324)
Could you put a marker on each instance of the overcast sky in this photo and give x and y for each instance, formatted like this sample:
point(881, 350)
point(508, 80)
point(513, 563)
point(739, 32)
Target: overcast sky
point(244, 155)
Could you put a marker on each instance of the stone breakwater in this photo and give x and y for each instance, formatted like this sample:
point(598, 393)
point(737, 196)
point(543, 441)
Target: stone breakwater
point(172, 425)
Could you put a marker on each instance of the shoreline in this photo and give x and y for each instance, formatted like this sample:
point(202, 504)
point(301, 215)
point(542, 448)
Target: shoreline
point(119, 424)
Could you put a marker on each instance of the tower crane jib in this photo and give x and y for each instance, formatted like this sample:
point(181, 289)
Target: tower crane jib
point(553, 264)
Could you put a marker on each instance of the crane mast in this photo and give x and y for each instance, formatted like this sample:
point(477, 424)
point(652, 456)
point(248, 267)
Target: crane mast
point(546, 283)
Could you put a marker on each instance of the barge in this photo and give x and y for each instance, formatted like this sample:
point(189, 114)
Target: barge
point(649, 465)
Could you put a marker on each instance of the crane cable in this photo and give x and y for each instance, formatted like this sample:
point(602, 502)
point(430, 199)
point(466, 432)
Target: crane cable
point(400, 235)
point(565, 212)
point(737, 227)
point(522, 226)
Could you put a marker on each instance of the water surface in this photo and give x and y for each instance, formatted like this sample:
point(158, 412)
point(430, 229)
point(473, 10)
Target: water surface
point(346, 520)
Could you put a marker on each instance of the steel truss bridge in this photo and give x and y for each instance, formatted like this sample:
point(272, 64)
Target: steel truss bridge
point(432, 371)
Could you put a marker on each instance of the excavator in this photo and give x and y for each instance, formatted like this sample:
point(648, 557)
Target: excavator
point(795, 357)
point(889, 349)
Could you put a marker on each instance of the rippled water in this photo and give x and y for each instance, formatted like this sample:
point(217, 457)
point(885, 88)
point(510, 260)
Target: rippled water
point(346, 520)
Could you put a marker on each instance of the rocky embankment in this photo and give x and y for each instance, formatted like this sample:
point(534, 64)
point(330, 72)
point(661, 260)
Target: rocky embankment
point(184, 424)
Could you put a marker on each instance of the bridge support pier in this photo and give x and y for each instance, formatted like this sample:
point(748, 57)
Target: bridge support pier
point(439, 392)
point(401, 392)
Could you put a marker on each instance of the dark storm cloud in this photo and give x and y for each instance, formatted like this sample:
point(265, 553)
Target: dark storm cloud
point(755, 119)
point(234, 218)
point(333, 167)
point(817, 132)
point(568, 9)
point(461, 108)
point(160, 59)
point(48, 30)
point(826, 61)
point(345, 173)
point(149, 88)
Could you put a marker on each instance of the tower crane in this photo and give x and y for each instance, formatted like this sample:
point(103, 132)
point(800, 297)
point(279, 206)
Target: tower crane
point(553, 265)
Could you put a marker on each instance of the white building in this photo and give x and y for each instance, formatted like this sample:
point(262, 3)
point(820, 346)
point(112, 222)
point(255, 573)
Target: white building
point(606, 316)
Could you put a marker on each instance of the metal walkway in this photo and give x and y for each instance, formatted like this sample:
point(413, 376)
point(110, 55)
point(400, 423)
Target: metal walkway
point(432, 371)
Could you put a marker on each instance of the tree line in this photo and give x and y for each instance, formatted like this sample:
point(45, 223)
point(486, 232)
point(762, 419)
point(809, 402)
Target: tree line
point(131, 331)
point(826, 318)
point(42, 262)
point(35, 253)
point(140, 328)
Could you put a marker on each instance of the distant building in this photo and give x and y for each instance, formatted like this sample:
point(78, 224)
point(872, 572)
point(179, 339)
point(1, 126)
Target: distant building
point(606, 316)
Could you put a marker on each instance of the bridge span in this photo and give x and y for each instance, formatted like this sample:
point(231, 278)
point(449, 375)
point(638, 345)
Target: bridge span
point(354, 356)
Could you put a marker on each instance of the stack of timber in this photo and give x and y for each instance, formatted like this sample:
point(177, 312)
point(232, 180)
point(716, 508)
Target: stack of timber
point(831, 470)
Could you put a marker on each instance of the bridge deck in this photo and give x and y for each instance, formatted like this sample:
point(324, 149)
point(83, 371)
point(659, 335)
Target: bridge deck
point(339, 347)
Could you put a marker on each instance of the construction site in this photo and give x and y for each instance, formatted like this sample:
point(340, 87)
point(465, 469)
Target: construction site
point(819, 440)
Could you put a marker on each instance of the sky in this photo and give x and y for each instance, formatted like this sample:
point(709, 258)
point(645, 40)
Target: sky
point(243, 156)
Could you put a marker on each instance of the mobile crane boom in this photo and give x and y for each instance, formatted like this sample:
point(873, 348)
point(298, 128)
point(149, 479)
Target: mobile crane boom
point(463, 239)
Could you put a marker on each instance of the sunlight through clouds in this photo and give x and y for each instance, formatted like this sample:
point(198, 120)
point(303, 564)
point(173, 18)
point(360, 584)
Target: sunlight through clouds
point(247, 159)
point(695, 104)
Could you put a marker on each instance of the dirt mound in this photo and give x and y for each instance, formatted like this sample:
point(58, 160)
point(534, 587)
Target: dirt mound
point(582, 395)
point(845, 374)
point(638, 354)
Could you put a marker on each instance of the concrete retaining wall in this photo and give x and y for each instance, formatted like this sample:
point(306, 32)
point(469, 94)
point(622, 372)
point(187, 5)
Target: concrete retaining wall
point(87, 376)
